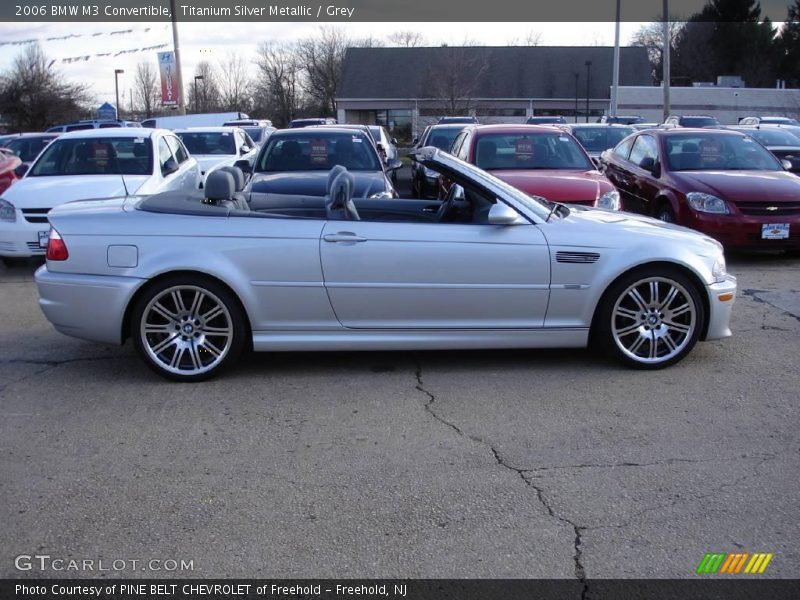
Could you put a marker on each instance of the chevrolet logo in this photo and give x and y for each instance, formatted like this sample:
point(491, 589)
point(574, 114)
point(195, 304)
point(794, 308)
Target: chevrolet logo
point(772, 208)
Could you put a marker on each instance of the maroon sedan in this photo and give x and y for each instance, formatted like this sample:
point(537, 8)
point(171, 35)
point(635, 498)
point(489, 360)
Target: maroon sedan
point(540, 161)
point(723, 183)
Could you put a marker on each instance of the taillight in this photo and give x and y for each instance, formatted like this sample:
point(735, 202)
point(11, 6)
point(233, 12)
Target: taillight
point(56, 248)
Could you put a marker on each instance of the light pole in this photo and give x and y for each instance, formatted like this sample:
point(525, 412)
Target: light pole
point(196, 100)
point(576, 94)
point(116, 88)
point(588, 79)
point(615, 71)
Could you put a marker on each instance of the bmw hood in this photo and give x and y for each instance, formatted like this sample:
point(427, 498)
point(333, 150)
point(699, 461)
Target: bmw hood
point(47, 192)
point(315, 183)
point(771, 186)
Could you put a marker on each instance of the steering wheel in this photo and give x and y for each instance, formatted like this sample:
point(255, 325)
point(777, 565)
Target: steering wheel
point(449, 203)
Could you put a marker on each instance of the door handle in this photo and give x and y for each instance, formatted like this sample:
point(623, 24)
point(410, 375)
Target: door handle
point(343, 236)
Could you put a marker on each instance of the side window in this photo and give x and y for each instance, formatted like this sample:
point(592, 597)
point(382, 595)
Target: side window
point(458, 144)
point(177, 149)
point(623, 149)
point(249, 141)
point(644, 147)
point(164, 155)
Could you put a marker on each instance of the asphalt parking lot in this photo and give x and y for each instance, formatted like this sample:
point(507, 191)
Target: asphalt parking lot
point(434, 464)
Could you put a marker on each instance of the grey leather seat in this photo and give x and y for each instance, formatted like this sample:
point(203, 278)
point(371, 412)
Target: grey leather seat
point(238, 186)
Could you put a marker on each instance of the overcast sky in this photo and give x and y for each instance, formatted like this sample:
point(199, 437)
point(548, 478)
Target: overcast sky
point(206, 41)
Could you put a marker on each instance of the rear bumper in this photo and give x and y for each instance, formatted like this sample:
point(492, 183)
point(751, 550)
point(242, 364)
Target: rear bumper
point(90, 307)
point(720, 308)
point(21, 239)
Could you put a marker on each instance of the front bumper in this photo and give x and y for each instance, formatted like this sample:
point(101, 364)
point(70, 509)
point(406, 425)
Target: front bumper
point(90, 307)
point(21, 238)
point(721, 297)
point(744, 231)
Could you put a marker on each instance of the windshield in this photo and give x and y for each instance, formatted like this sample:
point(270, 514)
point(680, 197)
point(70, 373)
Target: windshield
point(699, 122)
point(255, 133)
point(442, 137)
point(597, 139)
point(319, 152)
point(768, 137)
point(208, 142)
point(376, 133)
point(714, 152)
point(28, 148)
point(524, 151)
point(95, 156)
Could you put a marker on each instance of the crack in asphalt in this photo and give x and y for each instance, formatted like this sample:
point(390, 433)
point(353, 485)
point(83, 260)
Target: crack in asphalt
point(47, 364)
point(580, 571)
point(753, 293)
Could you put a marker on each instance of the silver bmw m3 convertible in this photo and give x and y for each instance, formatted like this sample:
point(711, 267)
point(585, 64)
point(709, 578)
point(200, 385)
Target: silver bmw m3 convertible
point(195, 279)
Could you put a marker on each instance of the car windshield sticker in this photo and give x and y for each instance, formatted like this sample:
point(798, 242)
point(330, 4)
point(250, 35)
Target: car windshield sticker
point(524, 148)
point(710, 149)
point(319, 151)
point(356, 139)
point(138, 141)
point(100, 154)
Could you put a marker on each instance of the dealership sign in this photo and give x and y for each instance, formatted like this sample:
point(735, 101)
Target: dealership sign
point(169, 78)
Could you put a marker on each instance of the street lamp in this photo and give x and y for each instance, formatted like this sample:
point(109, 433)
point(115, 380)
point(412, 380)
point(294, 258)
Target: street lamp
point(588, 77)
point(116, 87)
point(196, 100)
point(576, 94)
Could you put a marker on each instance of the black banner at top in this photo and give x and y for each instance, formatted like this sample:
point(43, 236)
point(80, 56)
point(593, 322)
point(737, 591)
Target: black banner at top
point(341, 11)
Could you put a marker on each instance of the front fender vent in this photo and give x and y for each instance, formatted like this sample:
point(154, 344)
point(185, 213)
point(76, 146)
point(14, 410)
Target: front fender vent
point(581, 258)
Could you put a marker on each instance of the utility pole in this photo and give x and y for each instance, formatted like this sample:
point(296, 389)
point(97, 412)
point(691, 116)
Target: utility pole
point(588, 90)
point(177, 47)
point(615, 76)
point(665, 60)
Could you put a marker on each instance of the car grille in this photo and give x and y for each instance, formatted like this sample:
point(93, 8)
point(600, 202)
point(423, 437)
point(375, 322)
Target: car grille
point(35, 215)
point(577, 257)
point(768, 209)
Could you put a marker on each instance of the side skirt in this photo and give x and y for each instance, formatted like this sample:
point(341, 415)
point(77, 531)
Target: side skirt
point(385, 339)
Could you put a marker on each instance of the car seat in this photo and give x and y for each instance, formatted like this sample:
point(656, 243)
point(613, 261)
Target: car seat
point(339, 205)
point(219, 189)
point(239, 198)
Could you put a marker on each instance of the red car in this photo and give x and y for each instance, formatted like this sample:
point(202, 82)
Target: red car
point(8, 162)
point(723, 183)
point(540, 161)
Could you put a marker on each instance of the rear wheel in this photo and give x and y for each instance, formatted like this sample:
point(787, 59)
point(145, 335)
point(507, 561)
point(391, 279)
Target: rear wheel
point(651, 319)
point(188, 328)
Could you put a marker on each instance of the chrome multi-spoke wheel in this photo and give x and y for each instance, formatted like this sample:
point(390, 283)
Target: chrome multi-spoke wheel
point(652, 321)
point(187, 331)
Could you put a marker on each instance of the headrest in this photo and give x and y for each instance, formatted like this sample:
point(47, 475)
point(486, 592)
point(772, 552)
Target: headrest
point(238, 177)
point(291, 148)
point(690, 147)
point(341, 191)
point(219, 185)
point(333, 174)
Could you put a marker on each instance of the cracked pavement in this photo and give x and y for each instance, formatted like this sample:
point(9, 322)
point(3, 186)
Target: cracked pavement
point(513, 464)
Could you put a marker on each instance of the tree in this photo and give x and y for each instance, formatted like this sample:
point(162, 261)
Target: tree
point(651, 38)
point(145, 83)
point(407, 39)
point(277, 85)
point(34, 96)
point(234, 83)
point(453, 76)
point(789, 47)
point(204, 94)
point(532, 38)
point(320, 58)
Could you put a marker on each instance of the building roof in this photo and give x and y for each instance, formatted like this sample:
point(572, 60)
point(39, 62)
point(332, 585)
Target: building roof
point(519, 72)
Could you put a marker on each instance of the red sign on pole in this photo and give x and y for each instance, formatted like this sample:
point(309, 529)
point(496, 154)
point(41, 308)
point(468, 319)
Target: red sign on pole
point(169, 78)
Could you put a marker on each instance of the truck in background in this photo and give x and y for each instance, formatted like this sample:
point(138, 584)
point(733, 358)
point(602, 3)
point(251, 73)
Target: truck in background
point(198, 120)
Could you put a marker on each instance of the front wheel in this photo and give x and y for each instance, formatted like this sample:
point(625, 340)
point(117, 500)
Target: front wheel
point(187, 328)
point(665, 214)
point(650, 320)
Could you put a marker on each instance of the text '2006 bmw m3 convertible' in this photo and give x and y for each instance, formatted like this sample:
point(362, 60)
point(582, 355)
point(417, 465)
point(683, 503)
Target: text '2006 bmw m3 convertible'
point(193, 279)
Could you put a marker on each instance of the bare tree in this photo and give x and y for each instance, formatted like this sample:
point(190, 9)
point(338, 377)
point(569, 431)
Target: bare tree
point(145, 84)
point(651, 37)
point(407, 39)
point(234, 83)
point(277, 84)
point(453, 76)
point(204, 94)
point(33, 95)
point(532, 38)
point(321, 58)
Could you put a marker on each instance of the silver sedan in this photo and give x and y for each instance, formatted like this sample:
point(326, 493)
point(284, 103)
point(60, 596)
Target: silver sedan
point(196, 279)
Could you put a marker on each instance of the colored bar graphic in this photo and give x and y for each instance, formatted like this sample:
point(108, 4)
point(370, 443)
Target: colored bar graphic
point(719, 562)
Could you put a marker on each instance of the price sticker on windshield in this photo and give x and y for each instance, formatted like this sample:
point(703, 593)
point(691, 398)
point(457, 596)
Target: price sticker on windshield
point(524, 148)
point(319, 151)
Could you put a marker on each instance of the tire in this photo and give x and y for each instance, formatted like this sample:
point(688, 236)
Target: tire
point(188, 328)
point(648, 330)
point(665, 213)
point(414, 192)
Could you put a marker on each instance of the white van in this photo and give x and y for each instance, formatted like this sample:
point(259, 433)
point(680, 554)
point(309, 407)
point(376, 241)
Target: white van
point(198, 120)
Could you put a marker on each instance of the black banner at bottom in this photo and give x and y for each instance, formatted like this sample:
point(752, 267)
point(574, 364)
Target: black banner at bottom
point(400, 589)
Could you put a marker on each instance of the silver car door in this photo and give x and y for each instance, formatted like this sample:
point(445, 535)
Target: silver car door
point(435, 275)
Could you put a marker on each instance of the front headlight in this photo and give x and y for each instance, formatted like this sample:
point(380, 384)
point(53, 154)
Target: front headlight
point(707, 203)
point(718, 271)
point(609, 201)
point(383, 194)
point(8, 212)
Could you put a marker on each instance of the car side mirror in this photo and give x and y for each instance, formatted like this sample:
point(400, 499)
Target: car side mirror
point(415, 141)
point(21, 169)
point(244, 165)
point(169, 167)
point(648, 163)
point(502, 214)
point(394, 141)
point(393, 164)
point(786, 164)
point(244, 149)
